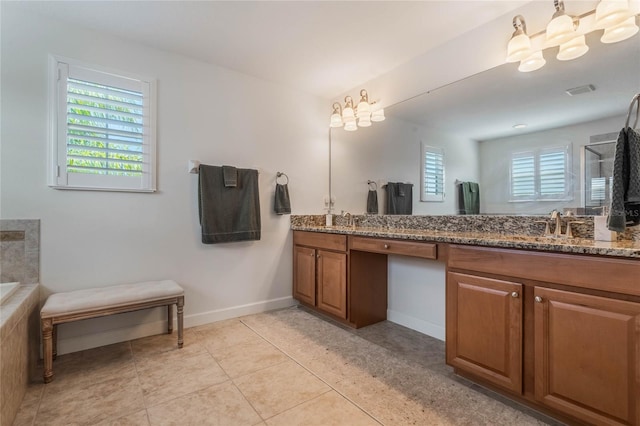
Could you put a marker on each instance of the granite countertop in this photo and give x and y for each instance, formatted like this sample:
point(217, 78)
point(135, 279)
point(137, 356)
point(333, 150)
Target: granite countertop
point(627, 248)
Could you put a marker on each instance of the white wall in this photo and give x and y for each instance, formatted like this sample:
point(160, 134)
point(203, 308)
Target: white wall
point(495, 159)
point(206, 113)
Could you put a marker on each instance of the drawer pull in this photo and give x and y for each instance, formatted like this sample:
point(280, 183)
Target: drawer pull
point(515, 294)
point(538, 299)
point(386, 246)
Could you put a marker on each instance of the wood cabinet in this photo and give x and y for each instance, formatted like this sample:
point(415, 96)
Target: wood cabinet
point(320, 271)
point(555, 332)
point(587, 359)
point(484, 328)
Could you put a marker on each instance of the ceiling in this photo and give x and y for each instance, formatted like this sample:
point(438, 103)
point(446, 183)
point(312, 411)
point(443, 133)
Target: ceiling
point(320, 47)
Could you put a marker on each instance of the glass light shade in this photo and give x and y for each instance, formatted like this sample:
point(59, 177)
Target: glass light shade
point(363, 109)
point(610, 13)
point(532, 63)
point(350, 126)
point(519, 48)
point(560, 30)
point(348, 114)
point(377, 115)
point(364, 122)
point(336, 120)
point(573, 49)
point(621, 31)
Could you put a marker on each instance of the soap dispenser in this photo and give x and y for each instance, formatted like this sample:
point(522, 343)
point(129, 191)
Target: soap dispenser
point(600, 230)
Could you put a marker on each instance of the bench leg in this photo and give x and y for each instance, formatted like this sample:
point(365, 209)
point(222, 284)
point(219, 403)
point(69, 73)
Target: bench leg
point(55, 341)
point(170, 319)
point(179, 308)
point(47, 351)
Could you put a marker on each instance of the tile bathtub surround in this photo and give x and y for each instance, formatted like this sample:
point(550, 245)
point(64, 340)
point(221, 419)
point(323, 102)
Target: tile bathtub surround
point(284, 367)
point(20, 250)
point(19, 346)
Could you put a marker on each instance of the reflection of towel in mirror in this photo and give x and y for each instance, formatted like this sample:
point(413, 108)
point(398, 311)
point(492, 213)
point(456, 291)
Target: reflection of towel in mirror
point(625, 191)
point(372, 202)
point(396, 203)
point(469, 198)
point(228, 214)
point(282, 204)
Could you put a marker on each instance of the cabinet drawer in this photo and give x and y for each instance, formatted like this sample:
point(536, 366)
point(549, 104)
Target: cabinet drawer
point(320, 240)
point(405, 248)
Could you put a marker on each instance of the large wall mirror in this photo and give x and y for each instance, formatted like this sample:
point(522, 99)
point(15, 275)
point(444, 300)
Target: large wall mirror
point(473, 121)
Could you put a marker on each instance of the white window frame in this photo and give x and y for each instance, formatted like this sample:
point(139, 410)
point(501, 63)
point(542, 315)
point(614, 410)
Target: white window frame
point(536, 153)
point(60, 69)
point(426, 192)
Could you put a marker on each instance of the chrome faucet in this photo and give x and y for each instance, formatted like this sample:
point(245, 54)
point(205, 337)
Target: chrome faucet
point(350, 220)
point(557, 216)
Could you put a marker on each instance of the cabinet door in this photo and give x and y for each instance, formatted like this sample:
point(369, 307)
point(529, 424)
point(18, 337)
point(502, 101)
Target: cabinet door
point(332, 282)
point(587, 356)
point(304, 274)
point(484, 328)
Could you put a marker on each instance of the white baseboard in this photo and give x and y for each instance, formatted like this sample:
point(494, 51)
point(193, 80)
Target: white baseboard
point(417, 324)
point(88, 341)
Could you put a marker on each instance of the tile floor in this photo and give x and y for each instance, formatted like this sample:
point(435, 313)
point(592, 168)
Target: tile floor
point(285, 367)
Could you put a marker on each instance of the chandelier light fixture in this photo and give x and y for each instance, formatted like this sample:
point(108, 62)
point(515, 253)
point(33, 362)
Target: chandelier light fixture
point(612, 16)
point(352, 117)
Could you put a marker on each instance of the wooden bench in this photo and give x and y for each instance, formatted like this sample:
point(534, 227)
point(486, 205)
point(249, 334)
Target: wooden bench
point(98, 302)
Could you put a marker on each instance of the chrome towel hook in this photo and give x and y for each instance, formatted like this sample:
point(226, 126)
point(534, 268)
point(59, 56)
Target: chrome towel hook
point(636, 100)
point(280, 174)
point(372, 185)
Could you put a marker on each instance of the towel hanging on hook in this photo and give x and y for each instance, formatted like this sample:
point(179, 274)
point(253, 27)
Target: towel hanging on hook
point(282, 202)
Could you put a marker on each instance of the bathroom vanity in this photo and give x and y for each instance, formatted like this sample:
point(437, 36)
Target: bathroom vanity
point(553, 324)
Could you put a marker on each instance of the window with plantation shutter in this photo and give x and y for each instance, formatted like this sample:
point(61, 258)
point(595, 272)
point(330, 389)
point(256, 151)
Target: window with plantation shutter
point(432, 182)
point(540, 175)
point(104, 129)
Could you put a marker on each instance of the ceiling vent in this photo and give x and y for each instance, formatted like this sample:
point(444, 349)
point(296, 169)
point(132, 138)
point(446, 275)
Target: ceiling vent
point(581, 89)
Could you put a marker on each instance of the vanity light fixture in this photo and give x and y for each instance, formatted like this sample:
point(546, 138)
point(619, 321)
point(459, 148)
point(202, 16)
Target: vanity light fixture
point(613, 16)
point(353, 117)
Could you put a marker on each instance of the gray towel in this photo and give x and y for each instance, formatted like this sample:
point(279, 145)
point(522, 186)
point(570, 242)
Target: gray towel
point(372, 202)
point(396, 203)
point(282, 204)
point(228, 214)
point(469, 193)
point(625, 192)
point(230, 176)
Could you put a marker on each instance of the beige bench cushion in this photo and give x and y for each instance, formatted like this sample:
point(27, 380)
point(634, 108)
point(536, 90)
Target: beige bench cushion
point(109, 297)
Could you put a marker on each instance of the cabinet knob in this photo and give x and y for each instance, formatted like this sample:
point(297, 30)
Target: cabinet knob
point(515, 294)
point(386, 246)
point(311, 255)
point(318, 256)
point(538, 299)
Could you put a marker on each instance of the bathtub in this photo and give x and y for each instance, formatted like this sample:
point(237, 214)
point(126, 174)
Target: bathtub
point(6, 290)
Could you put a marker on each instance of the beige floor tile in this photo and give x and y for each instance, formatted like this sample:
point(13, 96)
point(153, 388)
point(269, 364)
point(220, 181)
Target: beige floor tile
point(172, 377)
point(159, 343)
point(248, 357)
point(223, 336)
point(329, 409)
point(117, 351)
point(278, 388)
point(222, 405)
point(139, 418)
point(92, 403)
point(83, 373)
point(29, 407)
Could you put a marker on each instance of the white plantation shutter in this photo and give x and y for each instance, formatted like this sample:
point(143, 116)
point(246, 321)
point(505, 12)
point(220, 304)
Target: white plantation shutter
point(523, 176)
point(105, 136)
point(598, 188)
point(432, 183)
point(540, 175)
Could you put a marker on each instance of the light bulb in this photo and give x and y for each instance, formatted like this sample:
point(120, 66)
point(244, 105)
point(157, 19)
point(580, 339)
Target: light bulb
point(610, 13)
point(377, 115)
point(350, 126)
point(364, 122)
point(519, 48)
point(573, 49)
point(336, 120)
point(532, 63)
point(622, 31)
point(560, 30)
